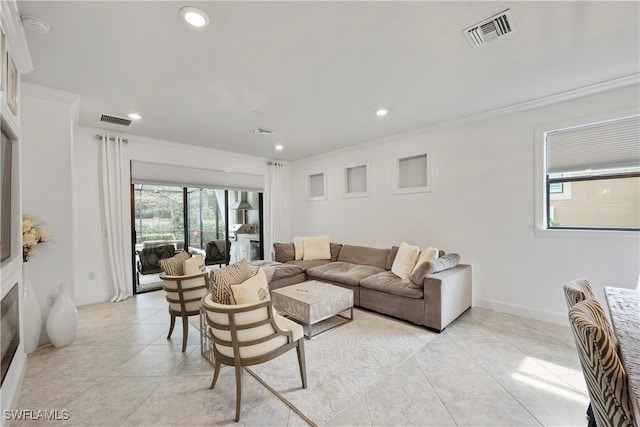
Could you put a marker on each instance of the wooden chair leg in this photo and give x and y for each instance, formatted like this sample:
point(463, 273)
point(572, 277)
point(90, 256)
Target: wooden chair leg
point(301, 362)
point(216, 372)
point(238, 391)
point(185, 332)
point(173, 323)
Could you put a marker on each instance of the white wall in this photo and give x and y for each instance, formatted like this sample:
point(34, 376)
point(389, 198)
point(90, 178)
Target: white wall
point(481, 206)
point(47, 142)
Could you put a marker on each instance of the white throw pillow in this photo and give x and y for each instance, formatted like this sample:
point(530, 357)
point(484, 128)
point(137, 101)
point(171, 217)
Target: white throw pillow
point(252, 290)
point(194, 265)
point(298, 244)
point(405, 260)
point(428, 254)
point(316, 248)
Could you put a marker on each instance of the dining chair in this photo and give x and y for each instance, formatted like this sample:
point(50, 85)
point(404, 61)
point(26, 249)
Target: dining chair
point(606, 379)
point(184, 293)
point(250, 334)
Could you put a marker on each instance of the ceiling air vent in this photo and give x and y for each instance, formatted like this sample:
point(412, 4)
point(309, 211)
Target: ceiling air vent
point(115, 120)
point(261, 131)
point(490, 29)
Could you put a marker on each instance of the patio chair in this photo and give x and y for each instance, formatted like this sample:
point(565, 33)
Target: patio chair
point(216, 252)
point(250, 334)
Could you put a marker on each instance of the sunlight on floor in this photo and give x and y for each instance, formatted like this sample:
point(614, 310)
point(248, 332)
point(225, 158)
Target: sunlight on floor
point(549, 383)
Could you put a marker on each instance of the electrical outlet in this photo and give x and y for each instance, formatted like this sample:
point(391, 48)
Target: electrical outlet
point(92, 275)
point(51, 299)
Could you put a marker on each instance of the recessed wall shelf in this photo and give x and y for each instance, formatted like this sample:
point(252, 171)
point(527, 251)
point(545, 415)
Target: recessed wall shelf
point(412, 174)
point(317, 186)
point(357, 179)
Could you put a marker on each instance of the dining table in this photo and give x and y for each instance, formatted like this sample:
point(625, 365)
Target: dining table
point(624, 310)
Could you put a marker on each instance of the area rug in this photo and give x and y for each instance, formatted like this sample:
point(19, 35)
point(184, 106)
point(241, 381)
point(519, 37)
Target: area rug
point(342, 364)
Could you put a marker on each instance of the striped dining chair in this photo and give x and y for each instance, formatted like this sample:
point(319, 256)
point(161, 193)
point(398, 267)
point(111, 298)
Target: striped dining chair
point(603, 371)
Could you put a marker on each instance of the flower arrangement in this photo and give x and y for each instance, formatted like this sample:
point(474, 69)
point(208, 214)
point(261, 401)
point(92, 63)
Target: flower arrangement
point(33, 233)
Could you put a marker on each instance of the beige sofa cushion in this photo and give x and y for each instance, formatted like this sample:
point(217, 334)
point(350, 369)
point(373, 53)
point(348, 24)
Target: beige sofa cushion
point(334, 248)
point(305, 265)
point(343, 272)
point(390, 283)
point(363, 255)
point(405, 260)
point(298, 243)
point(316, 247)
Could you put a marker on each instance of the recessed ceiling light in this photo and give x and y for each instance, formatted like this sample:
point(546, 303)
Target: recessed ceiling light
point(135, 116)
point(194, 16)
point(381, 112)
point(279, 147)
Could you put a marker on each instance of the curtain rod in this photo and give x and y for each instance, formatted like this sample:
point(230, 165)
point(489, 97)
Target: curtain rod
point(113, 138)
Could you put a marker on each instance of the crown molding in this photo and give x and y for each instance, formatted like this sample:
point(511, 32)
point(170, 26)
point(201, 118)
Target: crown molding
point(618, 83)
point(12, 28)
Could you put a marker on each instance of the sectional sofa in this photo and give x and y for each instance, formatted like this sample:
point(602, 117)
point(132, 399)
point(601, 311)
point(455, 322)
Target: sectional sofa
point(435, 294)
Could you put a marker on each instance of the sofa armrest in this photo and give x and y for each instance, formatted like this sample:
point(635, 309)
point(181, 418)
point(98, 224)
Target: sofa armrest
point(447, 295)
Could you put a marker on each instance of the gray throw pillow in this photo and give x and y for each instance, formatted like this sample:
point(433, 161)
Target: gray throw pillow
point(431, 267)
point(284, 252)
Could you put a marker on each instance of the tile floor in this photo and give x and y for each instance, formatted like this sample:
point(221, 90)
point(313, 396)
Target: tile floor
point(486, 369)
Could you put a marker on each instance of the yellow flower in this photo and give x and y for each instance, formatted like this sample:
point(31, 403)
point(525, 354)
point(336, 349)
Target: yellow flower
point(29, 239)
point(43, 235)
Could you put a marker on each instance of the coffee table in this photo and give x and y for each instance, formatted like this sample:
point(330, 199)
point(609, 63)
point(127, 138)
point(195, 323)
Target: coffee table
point(312, 301)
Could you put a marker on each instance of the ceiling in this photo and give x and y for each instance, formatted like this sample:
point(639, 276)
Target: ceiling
point(317, 71)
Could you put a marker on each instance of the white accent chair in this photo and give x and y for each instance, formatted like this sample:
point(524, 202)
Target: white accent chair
point(250, 334)
point(184, 293)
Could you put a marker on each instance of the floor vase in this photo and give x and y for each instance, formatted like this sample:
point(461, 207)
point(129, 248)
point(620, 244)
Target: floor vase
point(62, 321)
point(33, 314)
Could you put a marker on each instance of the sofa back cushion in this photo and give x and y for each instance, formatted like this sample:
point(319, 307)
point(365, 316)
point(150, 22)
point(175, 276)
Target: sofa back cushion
point(364, 255)
point(392, 256)
point(284, 252)
point(335, 250)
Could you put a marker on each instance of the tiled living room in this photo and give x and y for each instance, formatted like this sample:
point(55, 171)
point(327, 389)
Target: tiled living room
point(504, 134)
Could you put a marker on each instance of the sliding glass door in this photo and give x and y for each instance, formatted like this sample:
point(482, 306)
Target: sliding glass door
point(224, 226)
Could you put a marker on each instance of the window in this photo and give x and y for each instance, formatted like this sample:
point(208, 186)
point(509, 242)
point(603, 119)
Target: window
point(592, 176)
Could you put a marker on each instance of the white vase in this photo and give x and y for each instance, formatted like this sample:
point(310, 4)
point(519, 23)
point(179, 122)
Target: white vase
point(62, 321)
point(33, 314)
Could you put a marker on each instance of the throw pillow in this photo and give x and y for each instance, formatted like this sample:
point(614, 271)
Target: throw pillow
point(316, 248)
point(298, 244)
point(405, 260)
point(434, 266)
point(426, 255)
point(174, 266)
point(221, 280)
point(284, 252)
point(251, 291)
point(194, 265)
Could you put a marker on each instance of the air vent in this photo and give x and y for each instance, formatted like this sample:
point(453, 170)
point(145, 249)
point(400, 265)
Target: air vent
point(490, 29)
point(115, 120)
point(261, 131)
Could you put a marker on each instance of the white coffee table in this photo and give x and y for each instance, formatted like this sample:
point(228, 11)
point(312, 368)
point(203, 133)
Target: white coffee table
point(312, 301)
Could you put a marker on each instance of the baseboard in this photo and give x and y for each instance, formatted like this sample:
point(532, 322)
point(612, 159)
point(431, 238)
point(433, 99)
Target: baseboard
point(560, 319)
point(92, 299)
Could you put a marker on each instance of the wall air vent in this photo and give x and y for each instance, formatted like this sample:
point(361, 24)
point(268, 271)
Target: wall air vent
point(115, 120)
point(490, 29)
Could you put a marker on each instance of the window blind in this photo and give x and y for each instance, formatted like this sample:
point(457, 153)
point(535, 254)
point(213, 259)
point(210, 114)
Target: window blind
point(162, 174)
point(608, 144)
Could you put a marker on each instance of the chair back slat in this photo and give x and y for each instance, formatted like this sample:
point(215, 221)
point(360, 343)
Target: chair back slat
point(184, 293)
point(246, 334)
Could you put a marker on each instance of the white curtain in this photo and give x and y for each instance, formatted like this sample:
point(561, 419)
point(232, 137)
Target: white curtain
point(114, 196)
point(274, 187)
